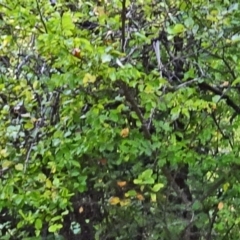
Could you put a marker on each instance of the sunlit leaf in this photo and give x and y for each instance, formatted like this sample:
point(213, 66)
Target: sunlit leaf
point(114, 200)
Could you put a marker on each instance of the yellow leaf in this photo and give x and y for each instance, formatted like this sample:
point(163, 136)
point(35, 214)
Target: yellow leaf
point(35, 84)
point(224, 84)
point(80, 210)
point(54, 195)
point(99, 11)
point(88, 78)
point(48, 183)
point(153, 197)
point(6, 164)
point(53, 166)
point(3, 153)
point(125, 132)
point(225, 187)
point(149, 89)
point(125, 202)
point(114, 200)
point(140, 197)
point(19, 167)
point(220, 205)
point(121, 183)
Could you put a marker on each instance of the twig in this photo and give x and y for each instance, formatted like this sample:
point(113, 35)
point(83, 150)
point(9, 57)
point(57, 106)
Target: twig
point(156, 47)
point(175, 187)
point(212, 188)
point(229, 101)
point(19, 67)
point(130, 98)
point(220, 130)
point(208, 237)
point(41, 17)
point(123, 15)
point(27, 158)
point(186, 83)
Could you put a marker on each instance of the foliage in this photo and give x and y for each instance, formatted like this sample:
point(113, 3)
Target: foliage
point(119, 119)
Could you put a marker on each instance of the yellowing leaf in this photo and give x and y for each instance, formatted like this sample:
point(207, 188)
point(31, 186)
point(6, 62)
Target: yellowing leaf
point(48, 183)
point(53, 166)
point(6, 164)
point(80, 210)
point(19, 167)
point(153, 197)
point(140, 197)
point(224, 84)
point(220, 205)
point(121, 183)
point(125, 202)
point(88, 78)
point(225, 187)
point(3, 153)
point(99, 11)
point(114, 200)
point(149, 89)
point(102, 161)
point(35, 84)
point(125, 132)
point(76, 52)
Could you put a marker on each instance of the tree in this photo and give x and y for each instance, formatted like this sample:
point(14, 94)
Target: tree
point(119, 120)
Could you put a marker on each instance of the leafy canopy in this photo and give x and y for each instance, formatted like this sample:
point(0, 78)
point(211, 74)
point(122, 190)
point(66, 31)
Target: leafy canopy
point(119, 119)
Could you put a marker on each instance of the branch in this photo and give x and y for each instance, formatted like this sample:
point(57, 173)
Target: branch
point(137, 110)
point(204, 86)
point(213, 188)
point(41, 17)
point(175, 187)
point(214, 216)
point(123, 16)
point(27, 158)
point(220, 130)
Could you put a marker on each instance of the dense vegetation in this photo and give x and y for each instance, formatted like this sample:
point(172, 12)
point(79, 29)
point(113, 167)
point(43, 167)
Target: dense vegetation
point(119, 119)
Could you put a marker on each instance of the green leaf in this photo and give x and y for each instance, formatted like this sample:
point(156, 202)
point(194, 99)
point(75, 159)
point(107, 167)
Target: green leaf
point(148, 181)
point(178, 28)
point(147, 174)
point(216, 98)
point(106, 58)
point(131, 193)
point(55, 228)
point(67, 24)
point(157, 187)
point(38, 223)
point(137, 181)
point(175, 112)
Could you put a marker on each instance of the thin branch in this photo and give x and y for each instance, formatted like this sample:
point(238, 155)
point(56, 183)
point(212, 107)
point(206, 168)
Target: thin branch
point(130, 98)
point(27, 158)
point(220, 130)
point(206, 87)
point(156, 47)
point(209, 234)
point(175, 187)
point(123, 16)
point(41, 17)
point(212, 189)
point(19, 67)
point(228, 231)
point(5, 6)
point(186, 83)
